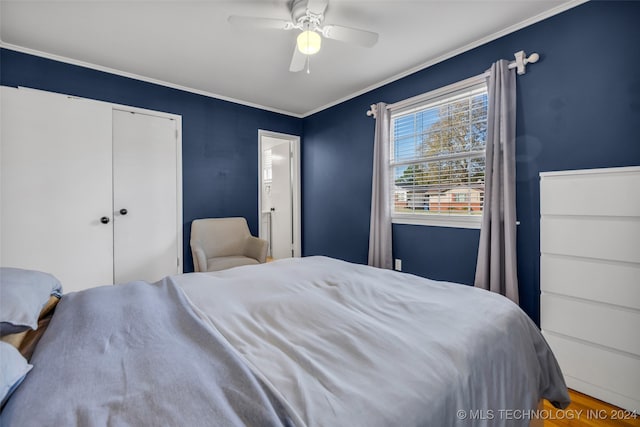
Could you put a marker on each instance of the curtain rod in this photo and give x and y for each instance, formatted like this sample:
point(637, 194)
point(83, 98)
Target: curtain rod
point(520, 64)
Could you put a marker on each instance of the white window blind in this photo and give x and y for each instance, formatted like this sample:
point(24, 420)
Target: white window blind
point(438, 156)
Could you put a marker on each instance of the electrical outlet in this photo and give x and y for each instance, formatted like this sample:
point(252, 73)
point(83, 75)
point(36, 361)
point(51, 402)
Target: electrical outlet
point(398, 265)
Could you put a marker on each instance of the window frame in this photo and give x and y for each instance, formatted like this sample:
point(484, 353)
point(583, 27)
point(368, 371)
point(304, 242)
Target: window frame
point(415, 104)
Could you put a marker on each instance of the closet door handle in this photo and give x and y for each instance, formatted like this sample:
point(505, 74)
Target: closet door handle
point(104, 220)
point(123, 211)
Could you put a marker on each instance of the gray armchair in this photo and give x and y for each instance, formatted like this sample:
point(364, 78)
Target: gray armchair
point(221, 243)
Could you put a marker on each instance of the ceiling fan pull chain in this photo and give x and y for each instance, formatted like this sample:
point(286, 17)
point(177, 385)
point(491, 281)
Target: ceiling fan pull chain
point(308, 62)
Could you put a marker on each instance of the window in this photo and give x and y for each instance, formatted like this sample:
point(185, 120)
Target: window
point(267, 162)
point(438, 156)
point(461, 197)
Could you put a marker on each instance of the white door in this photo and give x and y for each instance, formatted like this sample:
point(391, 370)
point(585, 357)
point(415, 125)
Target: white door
point(279, 197)
point(55, 175)
point(145, 191)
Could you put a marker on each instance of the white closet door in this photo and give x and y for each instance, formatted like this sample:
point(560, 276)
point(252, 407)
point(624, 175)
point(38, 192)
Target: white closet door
point(281, 197)
point(55, 155)
point(145, 183)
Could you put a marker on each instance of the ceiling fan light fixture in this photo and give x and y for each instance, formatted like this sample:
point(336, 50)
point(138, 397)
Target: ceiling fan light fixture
point(309, 42)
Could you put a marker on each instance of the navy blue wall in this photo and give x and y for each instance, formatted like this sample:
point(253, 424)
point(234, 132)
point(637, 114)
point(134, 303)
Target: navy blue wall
point(579, 107)
point(219, 138)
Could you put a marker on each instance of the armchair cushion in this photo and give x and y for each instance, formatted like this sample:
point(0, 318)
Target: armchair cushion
point(222, 263)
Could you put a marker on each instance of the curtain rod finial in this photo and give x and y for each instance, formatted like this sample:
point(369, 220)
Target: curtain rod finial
point(522, 60)
point(373, 111)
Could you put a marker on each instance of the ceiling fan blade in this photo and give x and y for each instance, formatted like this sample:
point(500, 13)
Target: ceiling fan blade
point(317, 6)
point(259, 23)
point(297, 61)
point(350, 35)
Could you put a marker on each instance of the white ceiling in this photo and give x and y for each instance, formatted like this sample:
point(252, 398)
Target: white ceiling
point(190, 45)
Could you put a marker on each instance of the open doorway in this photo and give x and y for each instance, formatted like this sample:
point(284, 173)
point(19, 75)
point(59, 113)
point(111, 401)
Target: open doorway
point(279, 195)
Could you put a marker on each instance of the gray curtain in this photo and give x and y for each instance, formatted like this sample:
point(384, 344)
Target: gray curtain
point(496, 269)
point(380, 227)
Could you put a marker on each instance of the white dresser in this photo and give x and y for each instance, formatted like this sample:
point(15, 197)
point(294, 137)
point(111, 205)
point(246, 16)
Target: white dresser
point(590, 279)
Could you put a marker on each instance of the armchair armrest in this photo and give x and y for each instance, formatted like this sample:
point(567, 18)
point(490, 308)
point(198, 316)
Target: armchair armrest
point(256, 248)
point(199, 260)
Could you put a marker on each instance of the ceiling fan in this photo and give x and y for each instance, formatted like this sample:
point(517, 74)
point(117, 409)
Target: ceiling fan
point(307, 16)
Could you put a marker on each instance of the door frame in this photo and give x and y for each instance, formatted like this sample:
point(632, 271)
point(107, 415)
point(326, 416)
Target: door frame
point(295, 185)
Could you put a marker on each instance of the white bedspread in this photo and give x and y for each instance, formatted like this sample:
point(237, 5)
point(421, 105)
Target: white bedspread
point(342, 344)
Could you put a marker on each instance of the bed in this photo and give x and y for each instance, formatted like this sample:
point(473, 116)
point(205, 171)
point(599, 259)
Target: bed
point(299, 342)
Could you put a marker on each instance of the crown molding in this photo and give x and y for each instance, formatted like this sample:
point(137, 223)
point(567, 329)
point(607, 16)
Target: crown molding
point(141, 78)
point(511, 29)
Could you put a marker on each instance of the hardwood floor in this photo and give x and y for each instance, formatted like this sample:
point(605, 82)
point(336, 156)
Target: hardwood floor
point(587, 411)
